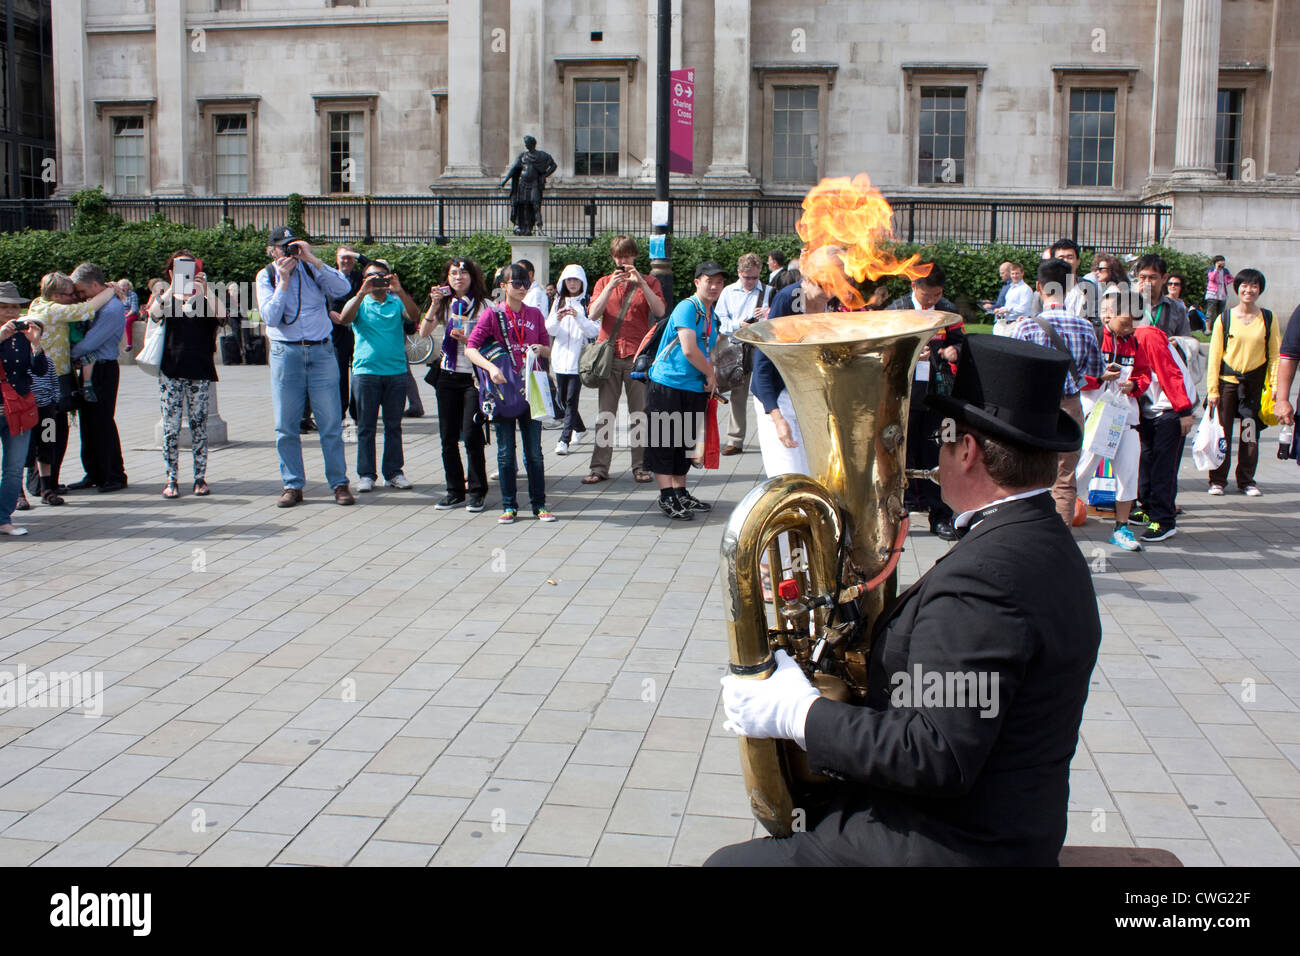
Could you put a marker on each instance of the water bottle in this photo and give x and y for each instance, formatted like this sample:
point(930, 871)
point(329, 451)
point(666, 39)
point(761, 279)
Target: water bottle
point(1284, 442)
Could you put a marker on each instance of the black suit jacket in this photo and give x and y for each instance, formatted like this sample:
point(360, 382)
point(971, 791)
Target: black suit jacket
point(944, 785)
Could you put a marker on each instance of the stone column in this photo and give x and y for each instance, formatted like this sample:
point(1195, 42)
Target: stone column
point(464, 156)
point(171, 142)
point(731, 85)
point(527, 57)
point(73, 132)
point(1198, 89)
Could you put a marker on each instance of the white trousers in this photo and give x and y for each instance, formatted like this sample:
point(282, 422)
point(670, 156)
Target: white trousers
point(777, 459)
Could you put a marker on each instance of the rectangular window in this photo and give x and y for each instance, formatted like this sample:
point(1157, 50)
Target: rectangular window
point(35, 171)
point(231, 154)
point(129, 159)
point(595, 148)
point(1091, 157)
point(1227, 133)
point(795, 125)
point(941, 150)
point(229, 5)
point(347, 146)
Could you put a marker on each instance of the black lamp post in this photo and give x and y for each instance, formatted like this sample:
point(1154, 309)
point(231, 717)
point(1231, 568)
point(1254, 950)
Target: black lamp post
point(662, 268)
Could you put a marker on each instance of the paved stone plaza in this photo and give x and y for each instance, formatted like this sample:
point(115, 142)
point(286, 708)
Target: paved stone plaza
point(394, 685)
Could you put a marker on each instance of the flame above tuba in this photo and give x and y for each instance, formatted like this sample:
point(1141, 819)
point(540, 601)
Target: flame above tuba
point(831, 539)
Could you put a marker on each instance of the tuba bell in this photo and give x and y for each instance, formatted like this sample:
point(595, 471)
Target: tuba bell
point(831, 539)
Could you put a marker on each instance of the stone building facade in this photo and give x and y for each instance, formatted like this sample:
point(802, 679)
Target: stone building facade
point(1189, 103)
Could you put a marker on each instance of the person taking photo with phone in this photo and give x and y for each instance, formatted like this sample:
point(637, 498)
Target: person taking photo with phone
point(381, 314)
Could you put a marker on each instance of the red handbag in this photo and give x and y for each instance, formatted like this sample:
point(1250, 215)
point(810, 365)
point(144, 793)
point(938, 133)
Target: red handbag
point(19, 410)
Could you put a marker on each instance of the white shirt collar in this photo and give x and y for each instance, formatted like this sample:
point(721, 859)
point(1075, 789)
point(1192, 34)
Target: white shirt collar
point(963, 519)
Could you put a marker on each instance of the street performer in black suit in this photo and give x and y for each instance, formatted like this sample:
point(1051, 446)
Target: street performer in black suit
point(930, 776)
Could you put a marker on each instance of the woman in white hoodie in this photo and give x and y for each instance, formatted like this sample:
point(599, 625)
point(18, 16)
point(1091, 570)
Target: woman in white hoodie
point(569, 329)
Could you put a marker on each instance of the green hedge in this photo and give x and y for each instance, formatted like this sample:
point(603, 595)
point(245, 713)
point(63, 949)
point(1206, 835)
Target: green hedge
point(138, 251)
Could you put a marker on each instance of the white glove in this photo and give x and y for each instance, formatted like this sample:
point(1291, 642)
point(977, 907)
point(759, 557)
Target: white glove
point(776, 707)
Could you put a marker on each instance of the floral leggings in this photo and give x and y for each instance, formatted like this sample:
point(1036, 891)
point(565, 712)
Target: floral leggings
point(177, 393)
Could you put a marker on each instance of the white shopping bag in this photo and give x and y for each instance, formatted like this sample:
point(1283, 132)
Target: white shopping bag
point(150, 357)
point(537, 388)
point(1210, 446)
point(1105, 424)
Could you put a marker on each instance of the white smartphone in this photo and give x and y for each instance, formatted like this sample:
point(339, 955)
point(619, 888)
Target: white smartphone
point(183, 276)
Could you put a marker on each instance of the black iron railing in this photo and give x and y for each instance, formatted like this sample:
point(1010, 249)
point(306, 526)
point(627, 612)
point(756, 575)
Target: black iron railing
point(1115, 227)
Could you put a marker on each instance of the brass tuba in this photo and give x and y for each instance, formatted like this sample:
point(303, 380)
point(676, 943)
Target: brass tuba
point(832, 539)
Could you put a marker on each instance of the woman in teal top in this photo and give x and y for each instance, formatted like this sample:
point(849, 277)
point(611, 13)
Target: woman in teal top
point(681, 381)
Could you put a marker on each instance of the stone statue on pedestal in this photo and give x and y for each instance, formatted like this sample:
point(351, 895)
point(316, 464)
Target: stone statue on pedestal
point(527, 179)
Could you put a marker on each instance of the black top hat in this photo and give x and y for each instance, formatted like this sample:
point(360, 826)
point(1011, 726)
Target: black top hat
point(1011, 390)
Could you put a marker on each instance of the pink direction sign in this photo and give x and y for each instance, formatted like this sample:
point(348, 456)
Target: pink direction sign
point(681, 121)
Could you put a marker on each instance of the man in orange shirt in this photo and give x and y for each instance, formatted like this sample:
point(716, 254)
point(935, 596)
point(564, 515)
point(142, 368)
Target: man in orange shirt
point(607, 298)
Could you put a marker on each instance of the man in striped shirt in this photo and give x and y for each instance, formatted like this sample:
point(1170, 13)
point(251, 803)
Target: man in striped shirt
point(1057, 328)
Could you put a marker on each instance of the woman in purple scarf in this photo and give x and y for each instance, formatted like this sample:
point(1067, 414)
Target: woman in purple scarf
point(455, 305)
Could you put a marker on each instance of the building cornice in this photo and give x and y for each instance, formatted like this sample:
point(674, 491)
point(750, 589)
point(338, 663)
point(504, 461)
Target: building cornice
point(623, 63)
point(911, 69)
point(1126, 70)
point(826, 69)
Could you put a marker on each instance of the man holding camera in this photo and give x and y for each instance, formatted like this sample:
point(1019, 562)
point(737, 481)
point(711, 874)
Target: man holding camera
point(384, 314)
point(293, 295)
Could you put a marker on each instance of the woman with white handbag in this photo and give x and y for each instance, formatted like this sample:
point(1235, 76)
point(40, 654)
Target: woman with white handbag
point(180, 343)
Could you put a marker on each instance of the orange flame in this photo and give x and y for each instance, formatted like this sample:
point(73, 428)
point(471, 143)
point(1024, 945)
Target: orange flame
point(843, 221)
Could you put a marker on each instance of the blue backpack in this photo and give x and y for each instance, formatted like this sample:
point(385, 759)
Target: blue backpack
point(508, 400)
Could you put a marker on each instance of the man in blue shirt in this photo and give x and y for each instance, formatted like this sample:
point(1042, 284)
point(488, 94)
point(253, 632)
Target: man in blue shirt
point(381, 314)
point(1058, 328)
point(681, 381)
point(293, 295)
point(101, 447)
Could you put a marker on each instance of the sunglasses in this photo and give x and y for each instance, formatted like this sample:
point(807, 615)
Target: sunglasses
point(518, 285)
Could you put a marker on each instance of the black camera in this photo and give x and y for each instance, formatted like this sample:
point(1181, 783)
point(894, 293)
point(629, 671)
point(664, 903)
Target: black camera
point(20, 325)
point(289, 249)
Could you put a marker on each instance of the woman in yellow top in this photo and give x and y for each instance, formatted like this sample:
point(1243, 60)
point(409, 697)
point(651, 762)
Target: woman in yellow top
point(1241, 363)
point(56, 309)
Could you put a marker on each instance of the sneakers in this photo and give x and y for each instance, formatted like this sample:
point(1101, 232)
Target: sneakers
point(475, 504)
point(1139, 518)
point(1123, 538)
point(676, 510)
point(449, 501)
point(1157, 532)
point(507, 516)
point(690, 501)
point(349, 432)
point(1251, 491)
point(552, 424)
point(562, 448)
point(543, 515)
point(400, 481)
point(365, 484)
point(577, 437)
point(1216, 490)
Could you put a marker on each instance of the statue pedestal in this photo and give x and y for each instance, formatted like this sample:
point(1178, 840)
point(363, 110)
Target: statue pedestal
point(217, 434)
point(537, 250)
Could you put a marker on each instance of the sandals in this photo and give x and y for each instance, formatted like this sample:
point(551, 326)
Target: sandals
point(201, 488)
point(642, 476)
point(594, 479)
point(52, 498)
point(171, 491)
point(22, 504)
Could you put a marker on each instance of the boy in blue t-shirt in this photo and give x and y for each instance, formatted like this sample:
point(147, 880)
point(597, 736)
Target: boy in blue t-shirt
point(381, 314)
point(681, 381)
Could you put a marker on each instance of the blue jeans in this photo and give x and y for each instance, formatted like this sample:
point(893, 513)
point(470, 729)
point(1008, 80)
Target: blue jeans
point(13, 456)
point(375, 393)
point(508, 468)
point(296, 372)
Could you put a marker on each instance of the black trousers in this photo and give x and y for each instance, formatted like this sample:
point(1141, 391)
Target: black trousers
point(1162, 446)
point(101, 447)
point(344, 343)
point(924, 453)
point(49, 452)
point(675, 420)
point(569, 388)
point(414, 403)
point(457, 404)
